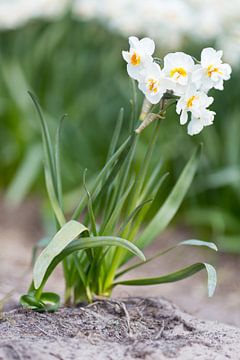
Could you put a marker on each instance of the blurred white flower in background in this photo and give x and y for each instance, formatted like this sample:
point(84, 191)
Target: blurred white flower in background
point(172, 23)
point(14, 13)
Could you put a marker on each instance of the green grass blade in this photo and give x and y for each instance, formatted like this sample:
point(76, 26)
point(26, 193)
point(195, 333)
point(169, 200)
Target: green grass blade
point(171, 204)
point(63, 237)
point(46, 141)
point(109, 227)
point(116, 134)
point(53, 199)
point(134, 213)
point(90, 207)
point(176, 276)
point(192, 242)
point(94, 189)
point(58, 160)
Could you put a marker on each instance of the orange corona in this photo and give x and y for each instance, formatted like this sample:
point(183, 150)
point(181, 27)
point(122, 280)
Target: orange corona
point(135, 59)
point(179, 71)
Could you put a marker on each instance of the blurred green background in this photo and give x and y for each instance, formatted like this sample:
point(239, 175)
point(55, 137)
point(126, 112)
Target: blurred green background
point(75, 66)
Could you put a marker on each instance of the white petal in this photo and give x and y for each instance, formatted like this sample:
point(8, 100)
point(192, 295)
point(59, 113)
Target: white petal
point(154, 99)
point(133, 41)
point(126, 56)
point(183, 117)
point(147, 45)
point(180, 105)
point(134, 71)
point(210, 56)
point(219, 85)
point(194, 127)
point(227, 70)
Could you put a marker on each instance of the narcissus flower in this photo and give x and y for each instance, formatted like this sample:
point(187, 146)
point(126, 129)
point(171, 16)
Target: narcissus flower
point(193, 101)
point(180, 78)
point(212, 72)
point(139, 56)
point(178, 68)
point(153, 83)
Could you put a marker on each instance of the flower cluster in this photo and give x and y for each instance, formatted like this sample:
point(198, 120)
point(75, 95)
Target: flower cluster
point(182, 76)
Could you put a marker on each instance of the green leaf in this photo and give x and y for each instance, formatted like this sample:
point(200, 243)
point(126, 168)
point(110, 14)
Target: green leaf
point(48, 301)
point(88, 243)
point(109, 227)
point(194, 242)
point(90, 206)
point(58, 160)
point(53, 198)
point(171, 204)
point(49, 158)
point(176, 276)
point(116, 134)
point(96, 185)
point(63, 237)
point(210, 245)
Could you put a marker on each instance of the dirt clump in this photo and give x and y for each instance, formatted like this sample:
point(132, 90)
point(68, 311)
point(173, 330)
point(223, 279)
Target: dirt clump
point(134, 328)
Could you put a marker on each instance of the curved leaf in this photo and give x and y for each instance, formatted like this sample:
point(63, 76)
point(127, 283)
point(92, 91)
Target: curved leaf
point(176, 276)
point(63, 237)
point(192, 242)
point(91, 242)
point(47, 302)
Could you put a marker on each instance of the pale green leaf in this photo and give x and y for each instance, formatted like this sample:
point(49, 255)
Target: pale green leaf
point(176, 276)
point(63, 237)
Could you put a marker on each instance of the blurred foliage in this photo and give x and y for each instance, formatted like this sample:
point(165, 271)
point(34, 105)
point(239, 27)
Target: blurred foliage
point(76, 68)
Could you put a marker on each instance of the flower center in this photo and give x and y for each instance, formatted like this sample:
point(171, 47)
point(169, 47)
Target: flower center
point(211, 70)
point(177, 72)
point(153, 85)
point(135, 59)
point(190, 101)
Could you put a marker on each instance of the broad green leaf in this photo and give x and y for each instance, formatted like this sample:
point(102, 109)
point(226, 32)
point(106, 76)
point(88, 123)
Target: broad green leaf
point(63, 237)
point(47, 302)
point(171, 204)
point(88, 243)
point(176, 276)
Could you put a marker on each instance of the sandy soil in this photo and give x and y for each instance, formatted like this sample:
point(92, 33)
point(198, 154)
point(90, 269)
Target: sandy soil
point(150, 329)
point(20, 228)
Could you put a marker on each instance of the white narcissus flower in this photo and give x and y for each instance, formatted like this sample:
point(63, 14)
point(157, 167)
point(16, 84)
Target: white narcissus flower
point(178, 68)
point(212, 72)
point(153, 83)
point(193, 101)
point(197, 123)
point(139, 56)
